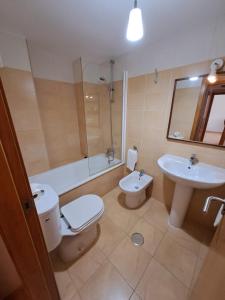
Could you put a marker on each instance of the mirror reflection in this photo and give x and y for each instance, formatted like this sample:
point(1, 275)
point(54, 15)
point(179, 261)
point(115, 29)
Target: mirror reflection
point(198, 111)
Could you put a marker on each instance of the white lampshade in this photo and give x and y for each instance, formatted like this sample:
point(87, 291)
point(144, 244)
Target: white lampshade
point(135, 29)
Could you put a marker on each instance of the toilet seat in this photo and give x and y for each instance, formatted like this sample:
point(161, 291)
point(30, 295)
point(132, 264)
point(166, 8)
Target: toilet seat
point(82, 212)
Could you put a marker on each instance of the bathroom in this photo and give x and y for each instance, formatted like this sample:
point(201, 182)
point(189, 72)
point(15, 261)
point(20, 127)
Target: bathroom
point(112, 150)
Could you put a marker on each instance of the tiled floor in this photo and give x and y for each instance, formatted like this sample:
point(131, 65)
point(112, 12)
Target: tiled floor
point(163, 268)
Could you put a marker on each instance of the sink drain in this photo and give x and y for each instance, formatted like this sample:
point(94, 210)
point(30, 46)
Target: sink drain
point(137, 239)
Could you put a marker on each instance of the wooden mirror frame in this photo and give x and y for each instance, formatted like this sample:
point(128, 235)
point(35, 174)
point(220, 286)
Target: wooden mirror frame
point(205, 89)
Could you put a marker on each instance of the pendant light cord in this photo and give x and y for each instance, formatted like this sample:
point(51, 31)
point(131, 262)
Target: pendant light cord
point(135, 3)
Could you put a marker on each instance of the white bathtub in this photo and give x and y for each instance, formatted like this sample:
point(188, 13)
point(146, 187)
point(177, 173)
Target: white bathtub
point(70, 176)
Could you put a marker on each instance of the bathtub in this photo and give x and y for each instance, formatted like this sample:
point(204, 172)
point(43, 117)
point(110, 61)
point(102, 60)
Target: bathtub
point(72, 175)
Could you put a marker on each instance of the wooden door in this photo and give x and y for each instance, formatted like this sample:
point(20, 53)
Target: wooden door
point(19, 224)
point(210, 284)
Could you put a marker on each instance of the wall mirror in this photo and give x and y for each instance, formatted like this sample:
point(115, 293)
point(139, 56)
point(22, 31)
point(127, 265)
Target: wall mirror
point(198, 111)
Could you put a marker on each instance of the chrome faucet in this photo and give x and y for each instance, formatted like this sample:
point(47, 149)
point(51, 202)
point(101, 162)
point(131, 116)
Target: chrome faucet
point(110, 154)
point(142, 172)
point(209, 200)
point(193, 159)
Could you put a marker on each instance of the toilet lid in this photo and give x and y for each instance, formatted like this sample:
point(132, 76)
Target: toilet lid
point(82, 210)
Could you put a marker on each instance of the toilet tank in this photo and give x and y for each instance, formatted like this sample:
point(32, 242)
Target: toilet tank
point(47, 205)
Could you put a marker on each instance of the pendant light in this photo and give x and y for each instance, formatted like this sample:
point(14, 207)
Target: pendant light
point(135, 29)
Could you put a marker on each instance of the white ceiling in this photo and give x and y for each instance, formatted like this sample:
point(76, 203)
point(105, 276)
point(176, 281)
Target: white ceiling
point(96, 28)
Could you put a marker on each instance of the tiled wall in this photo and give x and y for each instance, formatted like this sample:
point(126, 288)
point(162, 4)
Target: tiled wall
point(59, 117)
point(117, 111)
point(79, 94)
point(20, 92)
point(99, 186)
point(45, 119)
point(147, 120)
point(49, 128)
point(98, 120)
point(185, 104)
point(97, 116)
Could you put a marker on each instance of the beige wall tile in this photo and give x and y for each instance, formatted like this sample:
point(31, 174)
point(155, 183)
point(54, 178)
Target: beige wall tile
point(59, 116)
point(147, 120)
point(100, 185)
point(20, 93)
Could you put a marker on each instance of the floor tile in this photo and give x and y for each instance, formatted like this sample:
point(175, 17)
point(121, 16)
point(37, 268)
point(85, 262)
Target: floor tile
point(76, 296)
point(184, 239)
point(152, 235)
point(177, 259)
point(110, 236)
point(203, 251)
point(106, 284)
point(124, 218)
point(110, 199)
point(65, 285)
point(135, 297)
point(143, 209)
point(198, 267)
point(86, 266)
point(158, 284)
point(130, 260)
point(157, 215)
point(163, 268)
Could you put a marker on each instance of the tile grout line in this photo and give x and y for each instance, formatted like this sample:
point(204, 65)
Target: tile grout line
point(174, 276)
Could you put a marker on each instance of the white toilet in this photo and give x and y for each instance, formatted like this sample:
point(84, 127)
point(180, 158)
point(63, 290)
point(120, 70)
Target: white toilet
point(74, 229)
point(134, 186)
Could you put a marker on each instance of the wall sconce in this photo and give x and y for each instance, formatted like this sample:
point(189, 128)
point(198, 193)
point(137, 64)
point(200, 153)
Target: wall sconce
point(216, 65)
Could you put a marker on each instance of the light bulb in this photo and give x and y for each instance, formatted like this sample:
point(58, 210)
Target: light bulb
point(212, 78)
point(135, 30)
point(195, 78)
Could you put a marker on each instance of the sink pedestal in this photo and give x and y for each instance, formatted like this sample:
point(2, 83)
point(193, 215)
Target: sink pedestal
point(181, 199)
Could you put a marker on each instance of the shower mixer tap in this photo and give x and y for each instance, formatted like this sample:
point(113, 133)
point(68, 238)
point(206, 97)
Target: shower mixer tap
point(110, 154)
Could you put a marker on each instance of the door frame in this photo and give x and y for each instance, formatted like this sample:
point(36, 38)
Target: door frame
point(204, 107)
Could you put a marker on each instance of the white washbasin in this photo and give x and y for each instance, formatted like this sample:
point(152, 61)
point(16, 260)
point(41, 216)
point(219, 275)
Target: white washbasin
point(187, 177)
point(201, 175)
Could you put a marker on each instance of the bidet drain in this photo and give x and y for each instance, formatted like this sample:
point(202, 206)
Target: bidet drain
point(137, 239)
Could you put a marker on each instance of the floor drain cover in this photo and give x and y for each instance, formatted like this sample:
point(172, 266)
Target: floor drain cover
point(137, 239)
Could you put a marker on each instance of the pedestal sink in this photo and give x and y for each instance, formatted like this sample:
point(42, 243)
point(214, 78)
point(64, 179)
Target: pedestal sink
point(187, 177)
